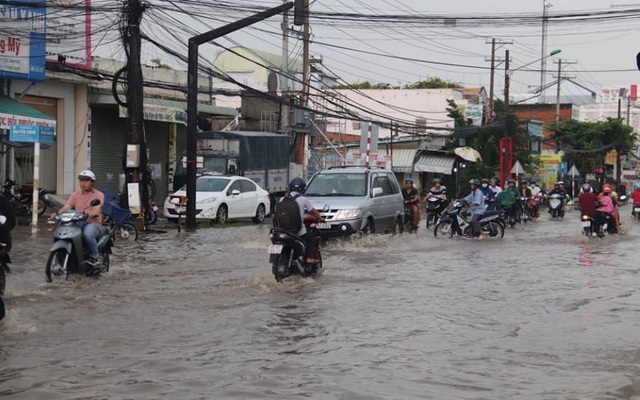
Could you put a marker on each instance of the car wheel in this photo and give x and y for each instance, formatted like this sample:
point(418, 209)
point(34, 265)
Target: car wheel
point(368, 229)
point(260, 213)
point(398, 227)
point(222, 215)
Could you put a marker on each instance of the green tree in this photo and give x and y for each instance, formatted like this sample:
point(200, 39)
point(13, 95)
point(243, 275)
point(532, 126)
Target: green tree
point(586, 143)
point(158, 63)
point(486, 140)
point(433, 83)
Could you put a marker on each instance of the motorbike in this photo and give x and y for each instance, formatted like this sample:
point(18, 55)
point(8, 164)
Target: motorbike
point(23, 202)
point(555, 205)
point(636, 211)
point(435, 207)
point(286, 253)
point(454, 222)
point(529, 207)
point(408, 220)
point(508, 216)
point(68, 252)
point(590, 227)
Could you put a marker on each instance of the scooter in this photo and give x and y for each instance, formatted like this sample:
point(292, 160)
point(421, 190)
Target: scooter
point(589, 225)
point(23, 202)
point(453, 222)
point(555, 205)
point(435, 207)
point(286, 253)
point(408, 220)
point(68, 252)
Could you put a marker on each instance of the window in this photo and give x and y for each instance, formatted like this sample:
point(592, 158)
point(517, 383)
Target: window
point(247, 186)
point(211, 184)
point(393, 183)
point(382, 181)
point(234, 186)
point(356, 125)
point(535, 130)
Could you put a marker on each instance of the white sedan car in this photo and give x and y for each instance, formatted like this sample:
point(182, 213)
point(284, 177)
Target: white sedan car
point(222, 198)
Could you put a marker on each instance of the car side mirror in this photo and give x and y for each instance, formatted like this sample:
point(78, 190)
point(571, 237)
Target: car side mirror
point(376, 191)
point(235, 192)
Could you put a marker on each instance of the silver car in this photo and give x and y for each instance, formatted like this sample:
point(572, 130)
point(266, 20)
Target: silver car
point(356, 199)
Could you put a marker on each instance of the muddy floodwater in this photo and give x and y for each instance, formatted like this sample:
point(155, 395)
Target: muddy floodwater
point(544, 313)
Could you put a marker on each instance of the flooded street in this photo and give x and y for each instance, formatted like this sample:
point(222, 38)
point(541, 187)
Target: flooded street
point(542, 314)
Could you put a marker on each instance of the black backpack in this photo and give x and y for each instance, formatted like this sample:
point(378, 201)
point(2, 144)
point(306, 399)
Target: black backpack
point(287, 215)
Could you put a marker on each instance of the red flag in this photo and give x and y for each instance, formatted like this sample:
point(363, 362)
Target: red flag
point(634, 92)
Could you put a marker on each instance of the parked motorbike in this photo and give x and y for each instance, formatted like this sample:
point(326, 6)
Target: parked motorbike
point(435, 207)
point(555, 205)
point(286, 253)
point(68, 252)
point(454, 222)
point(23, 202)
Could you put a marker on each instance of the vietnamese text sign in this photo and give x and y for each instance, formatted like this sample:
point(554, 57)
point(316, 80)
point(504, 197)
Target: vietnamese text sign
point(7, 120)
point(32, 134)
point(22, 40)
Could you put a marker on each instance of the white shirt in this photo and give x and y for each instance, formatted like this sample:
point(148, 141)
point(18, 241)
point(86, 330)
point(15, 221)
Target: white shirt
point(305, 208)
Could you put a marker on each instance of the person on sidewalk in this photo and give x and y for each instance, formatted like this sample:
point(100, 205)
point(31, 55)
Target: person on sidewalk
point(80, 201)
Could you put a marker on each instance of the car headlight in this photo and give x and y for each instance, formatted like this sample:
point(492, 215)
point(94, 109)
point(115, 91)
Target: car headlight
point(347, 214)
point(210, 200)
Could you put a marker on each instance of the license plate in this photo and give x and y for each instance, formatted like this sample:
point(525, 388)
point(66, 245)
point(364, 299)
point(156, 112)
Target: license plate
point(586, 224)
point(636, 209)
point(323, 225)
point(274, 249)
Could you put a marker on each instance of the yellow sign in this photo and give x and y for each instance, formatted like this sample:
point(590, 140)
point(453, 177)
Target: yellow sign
point(610, 158)
point(549, 170)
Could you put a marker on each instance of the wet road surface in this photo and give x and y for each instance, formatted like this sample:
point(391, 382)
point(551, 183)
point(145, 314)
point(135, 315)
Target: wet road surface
point(542, 314)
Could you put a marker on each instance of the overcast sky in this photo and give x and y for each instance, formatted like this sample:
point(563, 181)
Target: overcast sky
point(404, 50)
point(600, 49)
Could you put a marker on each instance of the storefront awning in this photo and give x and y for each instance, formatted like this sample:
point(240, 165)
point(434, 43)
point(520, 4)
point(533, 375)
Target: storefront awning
point(402, 160)
point(12, 112)
point(438, 164)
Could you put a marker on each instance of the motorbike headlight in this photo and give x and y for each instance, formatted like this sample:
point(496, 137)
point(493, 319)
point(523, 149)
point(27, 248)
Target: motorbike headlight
point(347, 214)
point(585, 217)
point(210, 200)
point(66, 217)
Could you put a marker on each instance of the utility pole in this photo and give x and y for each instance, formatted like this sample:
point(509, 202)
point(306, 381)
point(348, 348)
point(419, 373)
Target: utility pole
point(135, 101)
point(192, 95)
point(492, 78)
point(285, 51)
point(305, 55)
point(559, 85)
point(543, 50)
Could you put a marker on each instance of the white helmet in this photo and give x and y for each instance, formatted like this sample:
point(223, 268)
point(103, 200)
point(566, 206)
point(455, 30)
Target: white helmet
point(86, 174)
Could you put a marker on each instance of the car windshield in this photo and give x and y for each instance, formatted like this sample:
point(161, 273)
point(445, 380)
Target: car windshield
point(337, 184)
point(211, 184)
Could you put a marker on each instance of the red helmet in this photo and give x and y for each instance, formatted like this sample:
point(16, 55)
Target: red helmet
point(606, 185)
point(607, 189)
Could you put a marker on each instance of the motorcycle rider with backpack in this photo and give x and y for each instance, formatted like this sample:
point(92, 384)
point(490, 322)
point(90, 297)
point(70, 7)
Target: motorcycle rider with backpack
point(290, 213)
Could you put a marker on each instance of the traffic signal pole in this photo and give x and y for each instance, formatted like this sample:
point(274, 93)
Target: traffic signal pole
point(192, 96)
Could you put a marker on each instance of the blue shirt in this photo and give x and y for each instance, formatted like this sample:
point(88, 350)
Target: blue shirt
point(478, 198)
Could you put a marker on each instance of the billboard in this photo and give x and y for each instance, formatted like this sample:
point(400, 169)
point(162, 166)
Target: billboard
point(22, 40)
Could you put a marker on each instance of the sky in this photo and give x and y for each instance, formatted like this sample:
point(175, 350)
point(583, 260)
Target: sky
point(595, 53)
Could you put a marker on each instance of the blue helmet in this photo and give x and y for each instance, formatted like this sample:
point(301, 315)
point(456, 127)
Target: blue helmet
point(474, 182)
point(637, 185)
point(409, 179)
point(297, 185)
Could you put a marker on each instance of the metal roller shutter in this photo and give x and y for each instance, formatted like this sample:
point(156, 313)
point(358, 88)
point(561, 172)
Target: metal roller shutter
point(108, 139)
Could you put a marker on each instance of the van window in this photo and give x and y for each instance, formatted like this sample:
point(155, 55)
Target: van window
point(382, 181)
point(395, 189)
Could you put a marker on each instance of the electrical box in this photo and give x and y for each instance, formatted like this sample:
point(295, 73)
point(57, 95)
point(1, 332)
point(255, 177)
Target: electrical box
point(133, 155)
point(133, 189)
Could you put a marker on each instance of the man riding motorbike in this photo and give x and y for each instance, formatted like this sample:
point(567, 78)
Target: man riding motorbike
point(296, 190)
point(558, 189)
point(489, 195)
point(411, 198)
point(635, 197)
point(80, 201)
point(588, 201)
point(475, 200)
